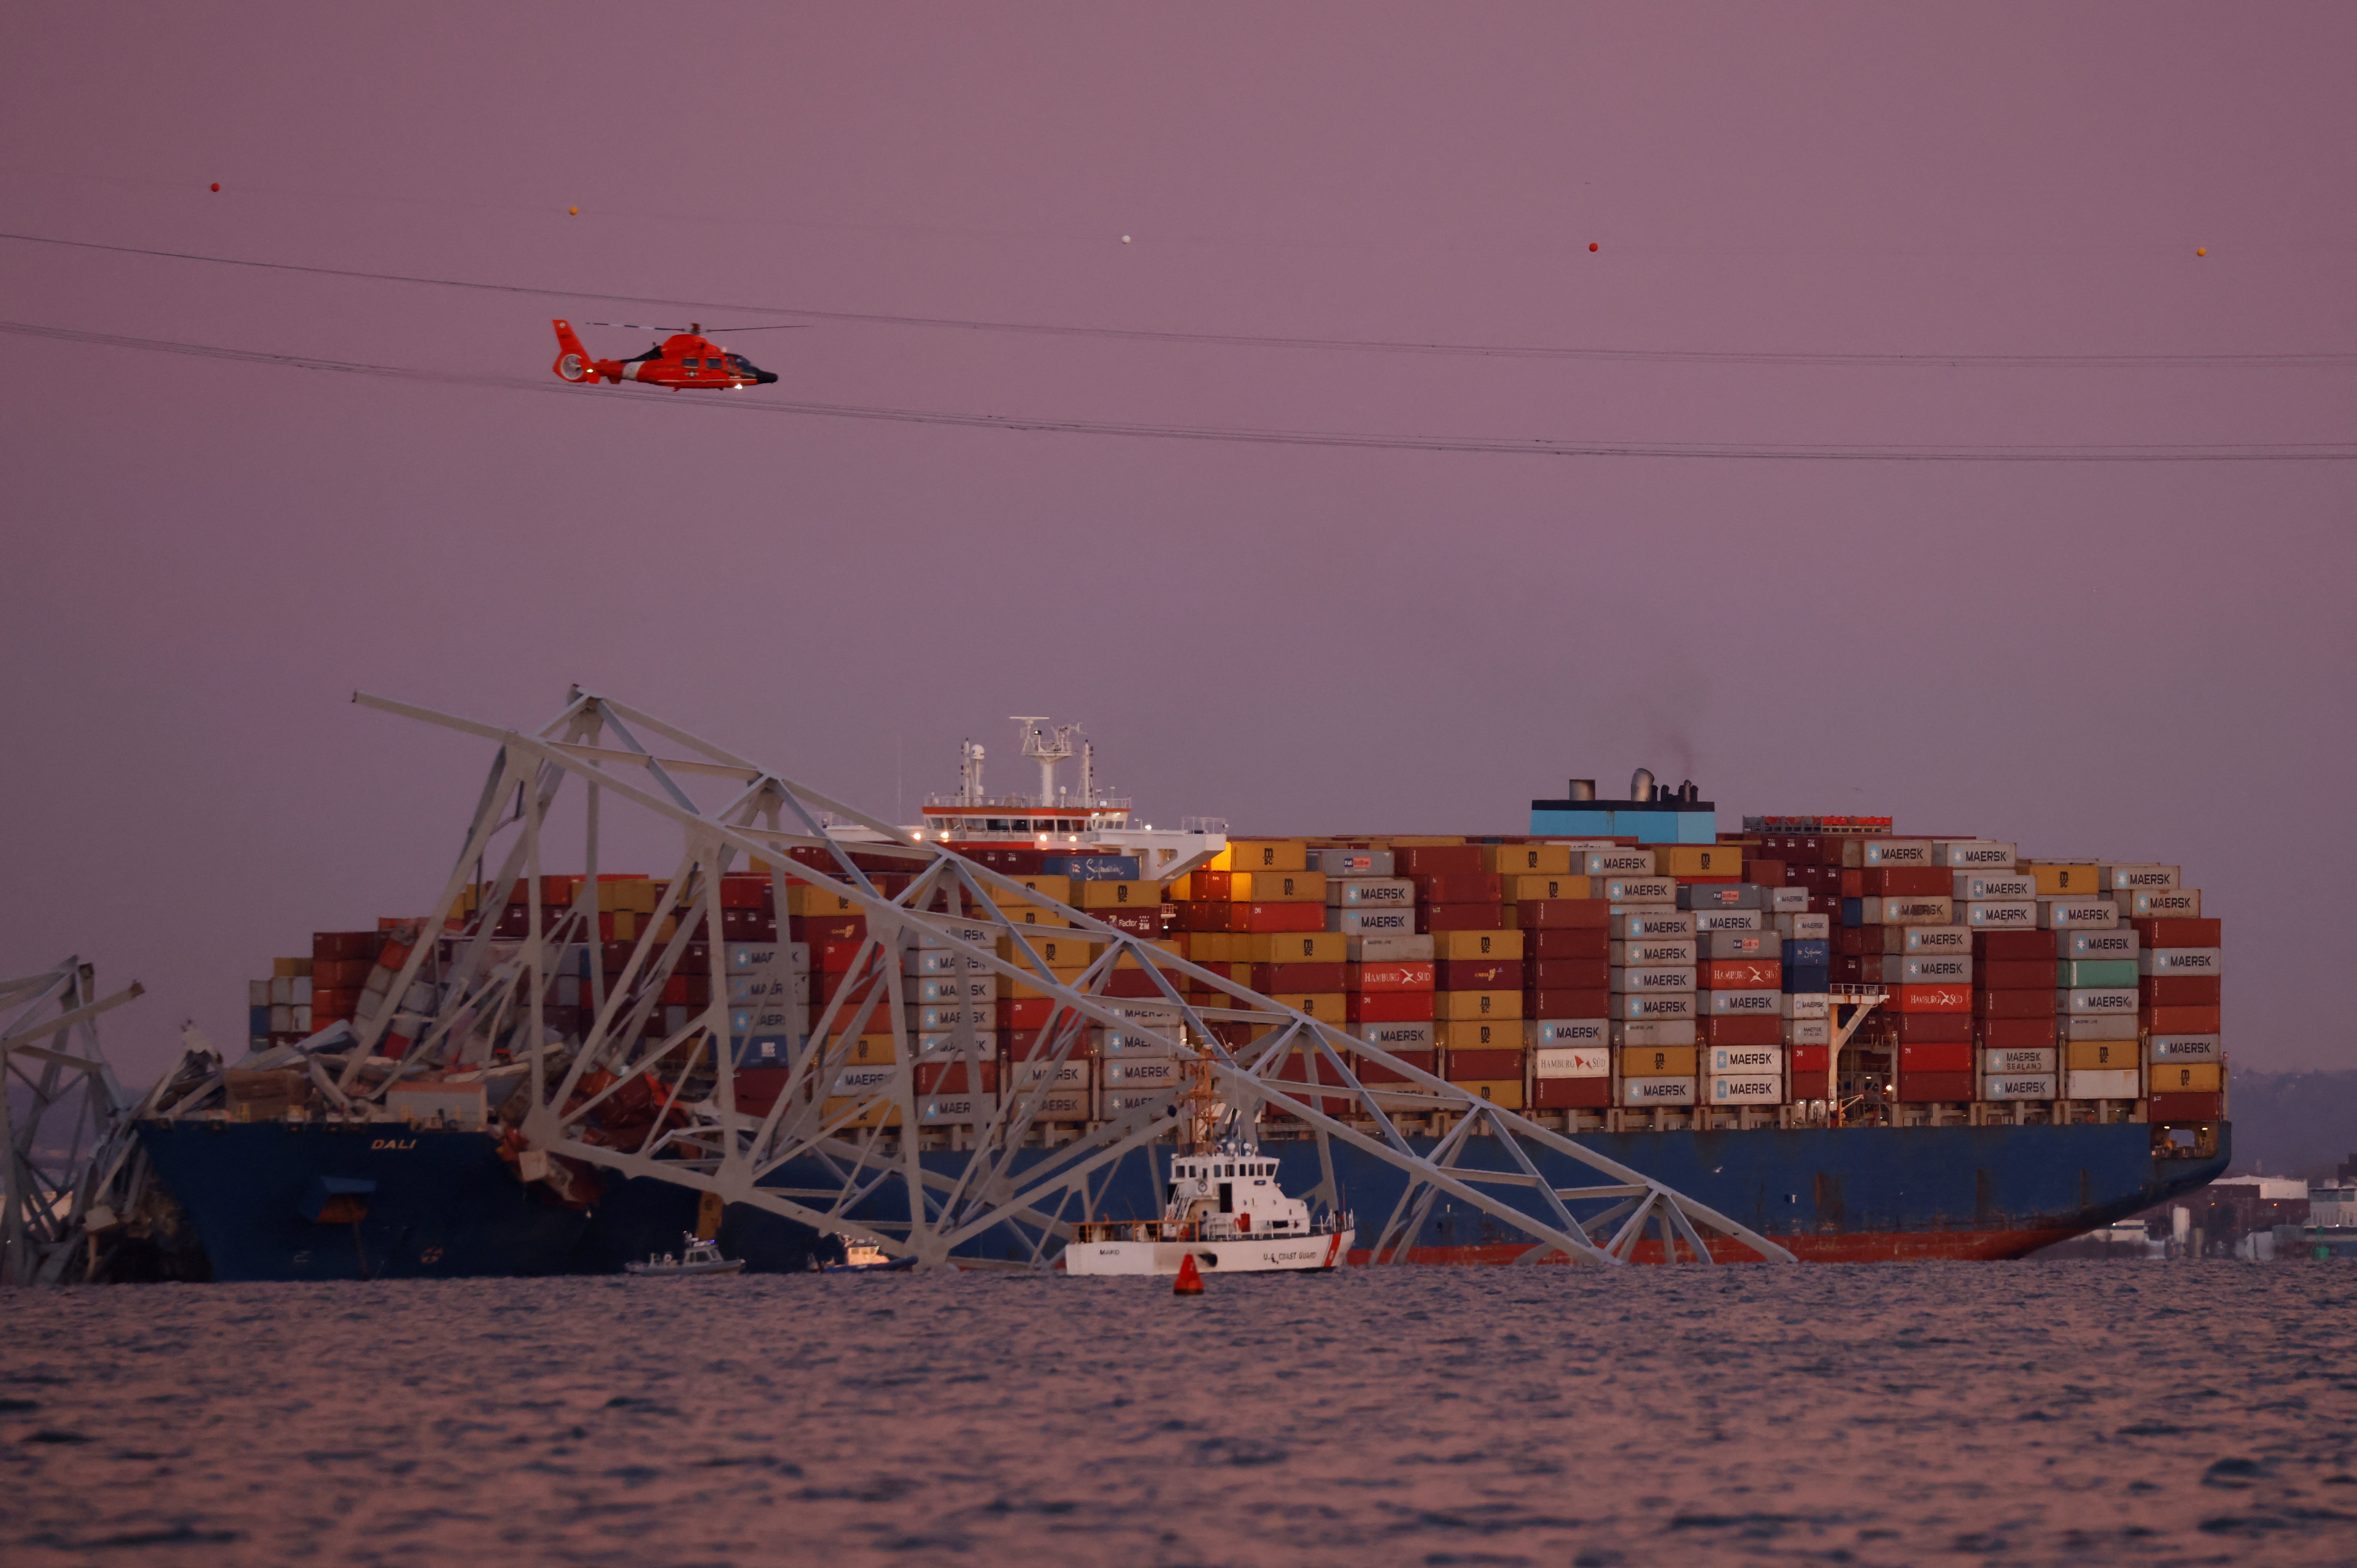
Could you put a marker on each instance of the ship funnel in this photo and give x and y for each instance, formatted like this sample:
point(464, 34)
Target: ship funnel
point(1640, 784)
point(1583, 790)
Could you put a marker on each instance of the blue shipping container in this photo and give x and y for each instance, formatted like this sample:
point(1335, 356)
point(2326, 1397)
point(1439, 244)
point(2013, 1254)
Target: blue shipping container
point(1091, 867)
point(1807, 979)
point(1808, 952)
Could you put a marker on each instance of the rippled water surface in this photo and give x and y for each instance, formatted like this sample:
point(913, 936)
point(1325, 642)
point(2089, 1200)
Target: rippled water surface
point(2080, 1412)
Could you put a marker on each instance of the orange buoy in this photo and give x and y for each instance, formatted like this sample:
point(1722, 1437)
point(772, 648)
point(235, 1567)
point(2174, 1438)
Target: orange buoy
point(1190, 1278)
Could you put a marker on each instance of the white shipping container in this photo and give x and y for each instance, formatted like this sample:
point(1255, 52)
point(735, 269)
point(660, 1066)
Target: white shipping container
point(1403, 947)
point(1141, 1073)
point(1058, 1104)
point(1745, 1003)
point(2002, 915)
point(2182, 960)
point(1074, 1073)
point(1653, 978)
point(1982, 885)
point(956, 1110)
point(1720, 1061)
point(1975, 855)
point(1546, 1034)
point(2099, 1000)
point(1739, 944)
point(1788, 900)
point(1730, 920)
point(2077, 914)
point(2017, 1060)
point(1394, 1037)
point(922, 961)
point(1748, 1088)
point(1928, 969)
point(1910, 911)
point(863, 1081)
point(1369, 892)
point(302, 1017)
point(1653, 951)
point(2167, 1050)
point(2018, 1086)
point(1571, 1061)
point(938, 931)
point(2120, 941)
point(1614, 862)
point(2102, 1083)
point(1639, 924)
point(767, 1018)
point(1808, 1031)
point(1144, 1018)
point(1807, 1004)
point(928, 989)
point(1805, 928)
point(1937, 939)
point(1654, 1007)
point(1896, 852)
point(2160, 904)
point(281, 993)
point(1641, 889)
point(932, 1019)
point(1657, 1092)
point(1371, 922)
point(1652, 1037)
point(1115, 1103)
point(743, 958)
point(282, 1017)
point(2143, 878)
point(945, 1046)
point(1130, 1045)
point(776, 985)
point(2094, 1026)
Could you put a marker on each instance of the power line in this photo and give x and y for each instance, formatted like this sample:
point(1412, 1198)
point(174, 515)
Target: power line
point(2310, 359)
point(2158, 452)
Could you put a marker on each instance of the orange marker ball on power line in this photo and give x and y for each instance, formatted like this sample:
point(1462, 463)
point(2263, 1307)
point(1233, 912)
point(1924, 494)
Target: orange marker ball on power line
point(574, 211)
point(2201, 250)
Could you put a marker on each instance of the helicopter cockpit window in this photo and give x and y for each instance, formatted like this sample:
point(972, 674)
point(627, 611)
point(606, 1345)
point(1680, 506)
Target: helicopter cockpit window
point(693, 364)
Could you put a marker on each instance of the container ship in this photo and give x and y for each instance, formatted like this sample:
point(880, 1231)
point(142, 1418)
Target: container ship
point(1860, 1044)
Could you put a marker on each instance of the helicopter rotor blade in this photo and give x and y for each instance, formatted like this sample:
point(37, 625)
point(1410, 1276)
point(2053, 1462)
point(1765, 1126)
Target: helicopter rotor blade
point(644, 327)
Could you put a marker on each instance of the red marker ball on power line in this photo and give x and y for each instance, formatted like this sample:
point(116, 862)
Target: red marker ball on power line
point(216, 185)
point(1591, 247)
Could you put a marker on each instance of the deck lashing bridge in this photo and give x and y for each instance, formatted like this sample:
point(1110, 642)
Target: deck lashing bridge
point(826, 1159)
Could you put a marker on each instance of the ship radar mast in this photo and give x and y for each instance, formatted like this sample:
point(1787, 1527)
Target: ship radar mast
point(1047, 745)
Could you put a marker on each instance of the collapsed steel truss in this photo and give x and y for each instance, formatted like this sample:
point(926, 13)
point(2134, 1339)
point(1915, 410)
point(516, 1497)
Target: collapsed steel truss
point(823, 1158)
point(73, 1166)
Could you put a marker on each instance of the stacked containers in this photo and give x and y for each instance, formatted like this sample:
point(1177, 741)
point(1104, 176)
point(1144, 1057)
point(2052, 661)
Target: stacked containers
point(2015, 1036)
point(1477, 967)
point(1795, 869)
point(2180, 984)
point(1388, 981)
point(1566, 972)
point(2094, 982)
point(1654, 958)
point(1917, 949)
point(1738, 976)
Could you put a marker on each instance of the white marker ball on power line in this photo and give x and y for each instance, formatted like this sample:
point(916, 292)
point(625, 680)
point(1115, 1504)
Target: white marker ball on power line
point(1125, 239)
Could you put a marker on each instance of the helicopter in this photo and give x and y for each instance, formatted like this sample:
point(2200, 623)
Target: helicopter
point(683, 360)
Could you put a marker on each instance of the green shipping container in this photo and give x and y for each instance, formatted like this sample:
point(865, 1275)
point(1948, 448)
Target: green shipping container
point(2087, 973)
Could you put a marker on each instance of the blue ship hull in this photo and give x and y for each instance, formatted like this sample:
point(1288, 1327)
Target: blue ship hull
point(443, 1204)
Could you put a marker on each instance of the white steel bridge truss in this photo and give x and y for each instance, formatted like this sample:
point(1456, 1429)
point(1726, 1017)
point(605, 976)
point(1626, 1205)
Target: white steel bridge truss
point(704, 1141)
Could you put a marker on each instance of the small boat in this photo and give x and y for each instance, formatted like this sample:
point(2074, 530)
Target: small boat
point(697, 1257)
point(1226, 1210)
point(865, 1258)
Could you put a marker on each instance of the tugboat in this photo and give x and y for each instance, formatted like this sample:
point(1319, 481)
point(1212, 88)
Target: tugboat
point(865, 1258)
point(1224, 1207)
point(698, 1257)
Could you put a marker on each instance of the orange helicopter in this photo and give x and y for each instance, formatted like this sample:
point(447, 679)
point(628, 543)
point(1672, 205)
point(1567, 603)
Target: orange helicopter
point(684, 359)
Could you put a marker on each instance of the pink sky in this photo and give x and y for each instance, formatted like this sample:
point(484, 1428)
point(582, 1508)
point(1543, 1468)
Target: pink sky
point(2114, 661)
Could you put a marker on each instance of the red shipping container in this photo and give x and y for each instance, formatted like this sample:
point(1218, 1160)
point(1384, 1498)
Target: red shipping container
point(2016, 973)
point(1557, 941)
point(2015, 1034)
point(2182, 1020)
point(815, 930)
point(1450, 917)
point(2181, 933)
point(2180, 990)
point(2014, 1004)
point(1133, 983)
point(1932, 999)
point(2012, 945)
point(1853, 883)
point(1478, 975)
point(1808, 1058)
point(1271, 978)
point(1149, 922)
point(1765, 873)
point(1739, 1031)
point(1567, 973)
point(1739, 974)
point(1023, 1012)
point(1201, 915)
point(1565, 914)
point(1376, 1072)
point(1934, 1028)
point(950, 1078)
point(833, 958)
point(1908, 882)
point(1388, 1006)
point(2181, 1107)
point(1954, 1056)
point(1596, 1004)
point(1925, 1087)
point(1570, 1093)
point(1849, 942)
point(1276, 917)
point(1461, 888)
point(824, 988)
point(1399, 974)
point(326, 1006)
point(1437, 859)
point(1478, 1065)
point(743, 892)
point(758, 1089)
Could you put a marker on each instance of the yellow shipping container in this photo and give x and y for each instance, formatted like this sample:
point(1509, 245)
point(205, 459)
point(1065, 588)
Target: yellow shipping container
point(290, 968)
point(1120, 895)
point(1057, 952)
point(1476, 944)
point(1325, 1007)
point(1526, 859)
point(1208, 947)
point(1531, 889)
point(882, 1114)
point(1293, 947)
point(1031, 914)
point(625, 923)
point(2096, 1055)
point(1009, 986)
point(1453, 1005)
point(1503, 1092)
point(2186, 1078)
point(1277, 887)
point(1655, 1061)
point(1698, 860)
point(1263, 854)
point(802, 898)
point(1476, 1035)
point(1422, 840)
point(868, 1049)
point(1180, 889)
point(2067, 882)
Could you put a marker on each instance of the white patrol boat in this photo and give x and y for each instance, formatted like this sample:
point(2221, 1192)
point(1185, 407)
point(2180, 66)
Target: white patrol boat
point(1224, 1207)
point(697, 1257)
